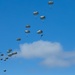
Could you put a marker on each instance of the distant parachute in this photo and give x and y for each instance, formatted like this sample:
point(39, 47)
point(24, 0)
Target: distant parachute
point(4, 70)
point(1, 59)
point(27, 31)
point(10, 50)
point(50, 2)
point(18, 39)
point(40, 32)
point(35, 13)
point(10, 54)
point(14, 53)
point(27, 26)
point(6, 58)
point(2, 54)
point(42, 17)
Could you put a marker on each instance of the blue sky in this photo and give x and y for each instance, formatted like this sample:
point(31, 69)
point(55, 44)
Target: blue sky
point(57, 27)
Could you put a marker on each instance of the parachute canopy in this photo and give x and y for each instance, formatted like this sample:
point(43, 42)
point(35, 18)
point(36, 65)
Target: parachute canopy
point(42, 17)
point(10, 54)
point(50, 2)
point(9, 50)
point(35, 13)
point(6, 58)
point(14, 53)
point(4, 70)
point(1, 59)
point(2, 54)
point(18, 39)
point(27, 26)
point(39, 32)
point(27, 31)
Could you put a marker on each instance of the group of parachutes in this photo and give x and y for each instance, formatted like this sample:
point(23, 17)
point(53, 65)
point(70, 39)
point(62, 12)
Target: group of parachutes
point(5, 57)
point(35, 13)
point(10, 53)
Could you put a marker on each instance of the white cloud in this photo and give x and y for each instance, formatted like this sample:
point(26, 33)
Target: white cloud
point(51, 52)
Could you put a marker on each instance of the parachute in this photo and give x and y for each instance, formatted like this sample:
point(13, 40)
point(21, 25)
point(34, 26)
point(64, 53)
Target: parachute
point(14, 53)
point(50, 2)
point(27, 26)
point(35, 13)
point(10, 54)
point(42, 17)
point(18, 39)
point(1, 59)
point(4, 70)
point(2, 54)
point(27, 31)
point(10, 50)
point(39, 32)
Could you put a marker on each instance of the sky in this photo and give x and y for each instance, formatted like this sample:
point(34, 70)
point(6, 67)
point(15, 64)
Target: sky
point(54, 53)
